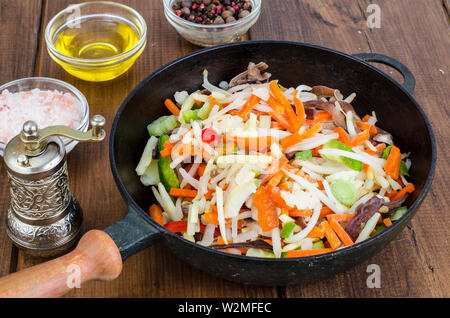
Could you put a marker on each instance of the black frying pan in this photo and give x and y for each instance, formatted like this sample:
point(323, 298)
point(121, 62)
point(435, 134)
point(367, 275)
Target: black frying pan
point(292, 63)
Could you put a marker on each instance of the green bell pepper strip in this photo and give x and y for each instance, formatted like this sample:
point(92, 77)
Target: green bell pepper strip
point(162, 125)
point(386, 152)
point(287, 229)
point(379, 228)
point(349, 162)
point(399, 213)
point(303, 155)
point(344, 191)
point(167, 175)
point(254, 252)
point(282, 87)
point(403, 170)
point(318, 245)
point(190, 115)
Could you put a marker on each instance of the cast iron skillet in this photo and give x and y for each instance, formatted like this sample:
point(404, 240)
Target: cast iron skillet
point(292, 63)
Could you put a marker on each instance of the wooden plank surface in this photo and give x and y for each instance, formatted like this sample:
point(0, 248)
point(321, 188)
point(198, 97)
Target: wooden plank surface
point(415, 264)
point(415, 33)
point(17, 58)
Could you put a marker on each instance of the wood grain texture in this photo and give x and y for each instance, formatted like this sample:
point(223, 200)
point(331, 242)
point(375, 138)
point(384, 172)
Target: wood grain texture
point(415, 33)
point(17, 58)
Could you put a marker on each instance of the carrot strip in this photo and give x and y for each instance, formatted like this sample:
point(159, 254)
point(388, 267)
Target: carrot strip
point(172, 107)
point(278, 199)
point(166, 152)
point(366, 118)
point(360, 138)
point(276, 125)
point(320, 117)
point(278, 93)
point(292, 118)
point(183, 193)
point(392, 165)
point(316, 232)
point(300, 110)
point(268, 241)
point(303, 253)
point(247, 108)
point(341, 233)
point(288, 111)
point(285, 187)
point(211, 217)
point(315, 151)
point(343, 137)
point(320, 185)
point(408, 189)
point(391, 194)
point(303, 212)
point(297, 138)
point(340, 217)
point(380, 148)
point(387, 222)
point(267, 212)
point(331, 236)
point(282, 120)
point(366, 126)
point(275, 105)
point(276, 179)
point(325, 211)
point(156, 214)
point(220, 241)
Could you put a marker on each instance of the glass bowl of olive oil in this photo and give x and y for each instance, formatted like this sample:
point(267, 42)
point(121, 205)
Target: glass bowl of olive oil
point(96, 41)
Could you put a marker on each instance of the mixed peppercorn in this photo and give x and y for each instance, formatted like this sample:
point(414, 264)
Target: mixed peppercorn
point(212, 11)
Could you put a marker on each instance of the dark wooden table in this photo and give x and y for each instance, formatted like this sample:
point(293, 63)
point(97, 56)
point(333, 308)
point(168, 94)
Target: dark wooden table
point(416, 32)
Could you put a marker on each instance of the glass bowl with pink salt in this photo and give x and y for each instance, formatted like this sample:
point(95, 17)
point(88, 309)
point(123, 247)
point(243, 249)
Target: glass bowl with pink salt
point(46, 101)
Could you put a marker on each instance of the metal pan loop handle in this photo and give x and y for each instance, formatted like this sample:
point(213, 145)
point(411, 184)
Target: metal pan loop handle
point(409, 81)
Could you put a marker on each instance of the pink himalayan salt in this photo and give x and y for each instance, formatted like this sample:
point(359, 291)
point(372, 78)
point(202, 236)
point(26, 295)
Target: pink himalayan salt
point(46, 108)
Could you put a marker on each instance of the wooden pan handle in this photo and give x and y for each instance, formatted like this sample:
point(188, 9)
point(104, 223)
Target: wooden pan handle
point(95, 257)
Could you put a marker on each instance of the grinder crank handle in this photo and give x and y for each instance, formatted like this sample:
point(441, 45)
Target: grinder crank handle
point(99, 255)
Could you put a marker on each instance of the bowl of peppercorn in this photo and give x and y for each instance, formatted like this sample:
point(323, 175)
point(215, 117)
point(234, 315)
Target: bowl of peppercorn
point(212, 22)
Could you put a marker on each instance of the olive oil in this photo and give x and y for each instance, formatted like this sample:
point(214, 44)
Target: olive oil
point(97, 47)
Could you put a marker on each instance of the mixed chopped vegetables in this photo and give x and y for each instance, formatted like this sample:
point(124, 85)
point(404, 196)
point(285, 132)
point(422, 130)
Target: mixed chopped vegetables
point(253, 168)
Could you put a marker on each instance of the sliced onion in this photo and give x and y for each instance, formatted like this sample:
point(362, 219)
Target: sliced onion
point(210, 87)
point(188, 178)
point(373, 162)
point(263, 107)
point(321, 169)
point(350, 127)
point(245, 236)
point(350, 98)
point(208, 236)
point(191, 172)
point(303, 233)
point(316, 192)
point(276, 242)
point(312, 143)
point(220, 214)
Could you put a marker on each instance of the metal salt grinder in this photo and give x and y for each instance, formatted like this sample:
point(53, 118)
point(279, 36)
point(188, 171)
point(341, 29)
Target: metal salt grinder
point(44, 217)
